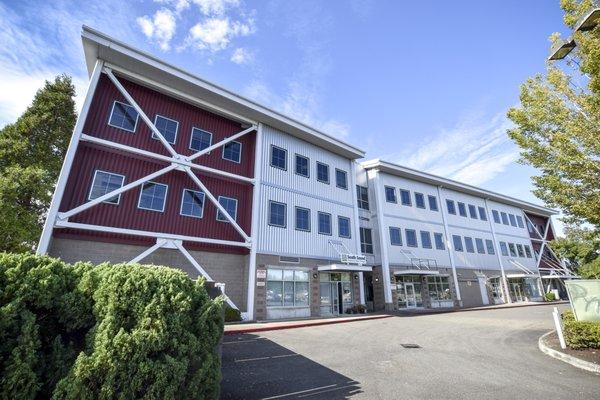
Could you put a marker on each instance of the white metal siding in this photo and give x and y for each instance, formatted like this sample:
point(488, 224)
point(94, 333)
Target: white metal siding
point(295, 190)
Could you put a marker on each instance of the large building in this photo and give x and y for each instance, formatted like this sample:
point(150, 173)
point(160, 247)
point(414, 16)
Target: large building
point(165, 168)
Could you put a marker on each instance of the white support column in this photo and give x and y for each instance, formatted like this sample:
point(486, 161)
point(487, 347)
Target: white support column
point(192, 260)
point(383, 240)
point(361, 289)
point(44, 242)
point(255, 224)
point(356, 227)
point(214, 200)
point(505, 291)
point(449, 244)
point(159, 243)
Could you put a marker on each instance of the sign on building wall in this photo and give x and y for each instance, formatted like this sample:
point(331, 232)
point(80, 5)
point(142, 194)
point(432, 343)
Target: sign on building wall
point(261, 273)
point(584, 296)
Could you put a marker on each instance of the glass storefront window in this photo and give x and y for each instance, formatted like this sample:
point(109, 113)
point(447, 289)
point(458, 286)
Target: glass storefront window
point(346, 293)
point(439, 288)
point(287, 288)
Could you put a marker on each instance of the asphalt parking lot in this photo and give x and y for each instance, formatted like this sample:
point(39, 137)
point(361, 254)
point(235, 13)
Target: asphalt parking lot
point(490, 354)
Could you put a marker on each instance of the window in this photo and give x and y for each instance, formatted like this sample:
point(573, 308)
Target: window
point(469, 245)
point(343, 227)
point(106, 182)
point(167, 127)
point(450, 207)
point(482, 214)
point(341, 179)
point(472, 211)
point(439, 241)
point(479, 246)
point(457, 242)
point(490, 246)
point(439, 288)
point(362, 197)
point(411, 238)
point(520, 221)
point(512, 250)
point(520, 251)
point(504, 218)
point(390, 194)
point(405, 197)
point(323, 172)
point(419, 200)
point(287, 288)
point(366, 241)
point(232, 151)
point(513, 220)
point(277, 214)
point(153, 196)
point(123, 116)
point(425, 240)
point(303, 219)
point(503, 249)
point(395, 236)
point(278, 157)
point(527, 251)
point(496, 216)
point(302, 166)
point(200, 139)
point(462, 209)
point(192, 203)
point(324, 223)
point(432, 203)
point(230, 205)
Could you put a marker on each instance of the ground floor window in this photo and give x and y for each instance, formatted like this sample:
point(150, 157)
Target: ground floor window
point(287, 288)
point(439, 288)
point(496, 289)
point(408, 288)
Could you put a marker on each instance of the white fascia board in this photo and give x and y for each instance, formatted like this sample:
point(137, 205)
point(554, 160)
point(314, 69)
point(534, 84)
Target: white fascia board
point(98, 45)
point(405, 172)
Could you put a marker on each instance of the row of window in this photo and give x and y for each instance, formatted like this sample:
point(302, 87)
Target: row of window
point(411, 238)
point(153, 196)
point(474, 212)
point(406, 200)
point(302, 167)
point(302, 220)
point(515, 250)
point(124, 116)
point(508, 219)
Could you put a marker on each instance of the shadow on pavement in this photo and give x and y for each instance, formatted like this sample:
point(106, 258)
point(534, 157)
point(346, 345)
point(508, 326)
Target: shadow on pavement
point(256, 368)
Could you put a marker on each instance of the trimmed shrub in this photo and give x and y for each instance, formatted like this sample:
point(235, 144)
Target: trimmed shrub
point(232, 314)
point(127, 331)
point(550, 296)
point(580, 334)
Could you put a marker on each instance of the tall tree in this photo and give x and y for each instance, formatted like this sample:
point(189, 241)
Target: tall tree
point(557, 125)
point(31, 154)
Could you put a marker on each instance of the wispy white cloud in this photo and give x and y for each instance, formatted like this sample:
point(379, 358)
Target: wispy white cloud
point(159, 28)
point(216, 7)
point(241, 56)
point(474, 151)
point(215, 34)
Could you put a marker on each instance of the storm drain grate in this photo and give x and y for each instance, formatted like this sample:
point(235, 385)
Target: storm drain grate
point(410, 345)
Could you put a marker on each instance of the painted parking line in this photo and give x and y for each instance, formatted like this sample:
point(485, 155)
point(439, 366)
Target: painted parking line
point(265, 358)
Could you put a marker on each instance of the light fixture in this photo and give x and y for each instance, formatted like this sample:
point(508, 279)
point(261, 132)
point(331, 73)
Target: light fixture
point(561, 48)
point(588, 21)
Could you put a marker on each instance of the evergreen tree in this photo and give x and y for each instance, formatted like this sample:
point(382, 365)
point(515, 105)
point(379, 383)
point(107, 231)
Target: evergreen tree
point(31, 153)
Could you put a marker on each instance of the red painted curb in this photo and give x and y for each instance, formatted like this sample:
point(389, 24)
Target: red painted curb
point(302, 324)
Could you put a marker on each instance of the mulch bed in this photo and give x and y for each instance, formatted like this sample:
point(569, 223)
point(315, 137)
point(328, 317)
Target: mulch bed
point(590, 355)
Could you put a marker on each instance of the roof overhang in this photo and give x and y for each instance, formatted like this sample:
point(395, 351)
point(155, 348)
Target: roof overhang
point(344, 268)
point(560, 277)
point(97, 45)
point(405, 172)
point(416, 272)
point(522, 276)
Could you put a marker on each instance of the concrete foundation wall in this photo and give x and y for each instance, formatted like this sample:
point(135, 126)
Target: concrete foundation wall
point(231, 269)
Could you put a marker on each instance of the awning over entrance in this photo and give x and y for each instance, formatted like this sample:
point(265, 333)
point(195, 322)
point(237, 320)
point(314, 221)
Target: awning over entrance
point(417, 272)
point(521, 276)
point(345, 267)
point(560, 277)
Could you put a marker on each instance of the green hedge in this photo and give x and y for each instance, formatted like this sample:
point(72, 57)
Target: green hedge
point(580, 334)
point(107, 331)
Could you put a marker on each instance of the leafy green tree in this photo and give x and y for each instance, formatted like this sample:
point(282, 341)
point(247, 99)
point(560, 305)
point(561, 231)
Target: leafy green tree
point(557, 125)
point(579, 247)
point(31, 154)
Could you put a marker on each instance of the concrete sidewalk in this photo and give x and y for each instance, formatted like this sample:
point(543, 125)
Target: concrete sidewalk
point(427, 311)
point(234, 329)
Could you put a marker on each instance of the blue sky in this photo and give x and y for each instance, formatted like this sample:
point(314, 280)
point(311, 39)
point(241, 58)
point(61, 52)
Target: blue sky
point(422, 83)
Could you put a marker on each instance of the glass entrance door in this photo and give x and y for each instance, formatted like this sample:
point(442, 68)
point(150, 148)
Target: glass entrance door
point(411, 299)
point(517, 291)
point(330, 294)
